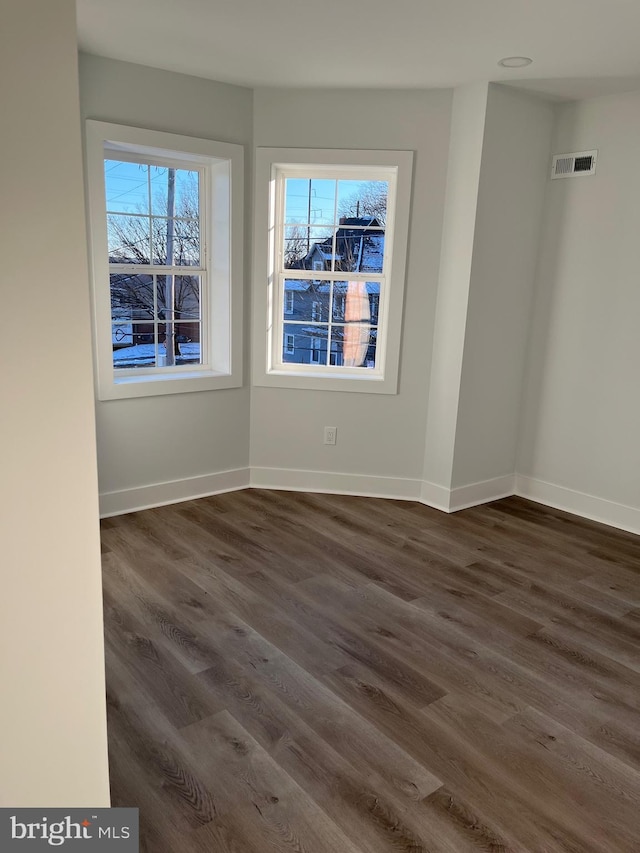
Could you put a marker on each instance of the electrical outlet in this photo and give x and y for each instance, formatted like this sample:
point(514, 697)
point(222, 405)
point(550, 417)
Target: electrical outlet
point(330, 435)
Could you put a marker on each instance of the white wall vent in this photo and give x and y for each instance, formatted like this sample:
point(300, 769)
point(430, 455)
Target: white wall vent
point(574, 165)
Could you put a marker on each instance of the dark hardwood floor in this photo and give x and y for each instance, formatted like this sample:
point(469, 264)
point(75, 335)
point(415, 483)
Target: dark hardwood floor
point(329, 674)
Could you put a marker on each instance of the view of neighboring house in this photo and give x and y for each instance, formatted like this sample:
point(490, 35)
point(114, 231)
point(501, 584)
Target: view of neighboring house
point(311, 305)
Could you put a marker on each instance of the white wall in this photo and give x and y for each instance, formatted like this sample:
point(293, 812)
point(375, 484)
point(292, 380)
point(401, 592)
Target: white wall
point(459, 417)
point(154, 440)
point(377, 434)
point(513, 179)
point(499, 151)
point(582, 415)
point(52, 712)
point(460, 213)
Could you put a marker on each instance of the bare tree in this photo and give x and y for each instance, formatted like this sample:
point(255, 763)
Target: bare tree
point(296, 245)
point(161, 240)
point(371, 201)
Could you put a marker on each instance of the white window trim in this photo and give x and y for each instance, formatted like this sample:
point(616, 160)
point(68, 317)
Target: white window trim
point(289, 348)
point(288, 302)
point(224, 304)
point(384, 380)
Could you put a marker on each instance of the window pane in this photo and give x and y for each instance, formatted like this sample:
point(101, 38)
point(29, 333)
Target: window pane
point(180, 292)
point(373, 289)
point(308, 300)
point(183, 341)
point(128, 238)
point(309, 344)
point(121, 333)
point(359, 249)
point(307, 248)
point(187, 242)
point(339, 301)
point(187, 297)
point(188, 343)
point(131, 297)
point(356, 301)
point(363, 200)
point(353, 345)
point(184, 187)
point(159, 178)
point(187, 194)
point(164, 285)
point(310, 201)
point(179, 237)
point(133, 345)
point(373, 253)
point(126, 186)
point(350, 251)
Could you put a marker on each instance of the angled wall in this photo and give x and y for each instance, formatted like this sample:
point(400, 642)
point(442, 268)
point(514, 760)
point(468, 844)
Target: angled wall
point(496, 183)
point(456, 263)
point(513, 181)
point(579, 448)
point(380, 438)
point(52, 714)
point(158, 449)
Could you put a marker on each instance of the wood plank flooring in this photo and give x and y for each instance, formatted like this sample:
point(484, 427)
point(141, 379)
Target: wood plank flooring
point(331, 674)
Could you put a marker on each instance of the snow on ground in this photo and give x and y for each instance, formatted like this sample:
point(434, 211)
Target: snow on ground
point(144, 355)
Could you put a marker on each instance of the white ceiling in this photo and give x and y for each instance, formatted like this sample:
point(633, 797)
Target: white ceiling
point(375, 43)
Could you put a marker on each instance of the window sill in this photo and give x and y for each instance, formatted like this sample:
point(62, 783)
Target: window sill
point(310, 381)
point(127, 387)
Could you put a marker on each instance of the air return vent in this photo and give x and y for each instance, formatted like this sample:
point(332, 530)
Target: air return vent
point(574, 165)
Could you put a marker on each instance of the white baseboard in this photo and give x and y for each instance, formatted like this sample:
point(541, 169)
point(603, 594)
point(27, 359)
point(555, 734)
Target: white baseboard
point(175, 491)
point(588, 506)
point(398, 488)
point(334, 482)
point(463, 497)
point(481, 493)
point(435, 496)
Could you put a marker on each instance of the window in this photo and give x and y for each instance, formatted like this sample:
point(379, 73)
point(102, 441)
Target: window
point(336, 234)
point(338, 305)
point(288, 302)
point(290, 344)
point(166, 241)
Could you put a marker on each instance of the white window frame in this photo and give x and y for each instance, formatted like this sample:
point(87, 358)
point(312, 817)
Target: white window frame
point(272, 166)
point(288, 302)
point(222, 237)
point(289, 343)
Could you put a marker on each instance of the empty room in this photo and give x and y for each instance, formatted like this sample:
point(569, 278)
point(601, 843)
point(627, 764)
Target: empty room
point(321, 499)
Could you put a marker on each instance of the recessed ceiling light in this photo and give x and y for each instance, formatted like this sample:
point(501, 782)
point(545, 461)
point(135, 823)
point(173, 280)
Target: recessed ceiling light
point(515, 61)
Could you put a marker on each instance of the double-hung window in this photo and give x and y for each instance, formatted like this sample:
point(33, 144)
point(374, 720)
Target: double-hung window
point(331, 228)
point(165, 224)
